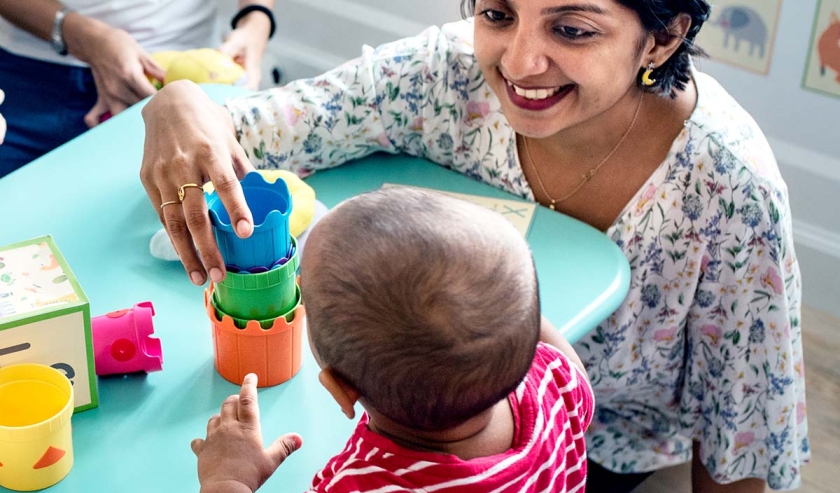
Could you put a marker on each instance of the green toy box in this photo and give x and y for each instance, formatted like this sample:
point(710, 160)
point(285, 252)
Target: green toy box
point(45, 315)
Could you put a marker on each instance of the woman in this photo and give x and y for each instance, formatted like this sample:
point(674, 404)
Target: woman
point(590, 107)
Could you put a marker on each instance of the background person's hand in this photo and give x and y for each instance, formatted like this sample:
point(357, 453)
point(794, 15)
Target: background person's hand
point(246, 45)
point(232, 455)
point(2, 121)
point(119, 65)
point(191, 139)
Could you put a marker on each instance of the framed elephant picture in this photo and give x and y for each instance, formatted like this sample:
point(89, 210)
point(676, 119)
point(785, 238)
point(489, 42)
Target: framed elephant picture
point(822, 73)
point(742, 33)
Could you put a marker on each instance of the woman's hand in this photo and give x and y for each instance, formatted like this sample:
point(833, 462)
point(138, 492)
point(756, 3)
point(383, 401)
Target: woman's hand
point(232, 457)
point(192, 140)
point(119, 65)
point(246, 45)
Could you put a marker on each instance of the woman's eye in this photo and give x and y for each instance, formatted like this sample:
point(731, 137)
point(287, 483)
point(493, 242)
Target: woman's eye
point(572, 32)
point(494, 15)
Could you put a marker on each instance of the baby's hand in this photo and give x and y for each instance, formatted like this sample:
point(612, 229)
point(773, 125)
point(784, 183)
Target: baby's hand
point(232, 457)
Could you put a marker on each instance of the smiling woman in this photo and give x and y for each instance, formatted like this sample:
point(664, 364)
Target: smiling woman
point(592, 108)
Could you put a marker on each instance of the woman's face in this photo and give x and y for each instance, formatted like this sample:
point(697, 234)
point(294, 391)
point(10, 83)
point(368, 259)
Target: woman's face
point(556, 64)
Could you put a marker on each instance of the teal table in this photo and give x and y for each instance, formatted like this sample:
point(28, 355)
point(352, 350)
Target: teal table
point(87, 194)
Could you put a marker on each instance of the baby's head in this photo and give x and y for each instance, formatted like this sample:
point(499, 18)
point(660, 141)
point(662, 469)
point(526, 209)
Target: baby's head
point(426, 305)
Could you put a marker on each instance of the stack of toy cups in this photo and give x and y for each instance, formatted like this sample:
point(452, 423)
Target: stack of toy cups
point(256, 312)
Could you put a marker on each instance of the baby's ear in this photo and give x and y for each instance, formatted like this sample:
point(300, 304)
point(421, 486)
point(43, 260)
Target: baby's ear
point(343, 393)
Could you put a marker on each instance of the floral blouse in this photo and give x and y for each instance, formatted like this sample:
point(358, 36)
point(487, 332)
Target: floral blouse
point(706, 346)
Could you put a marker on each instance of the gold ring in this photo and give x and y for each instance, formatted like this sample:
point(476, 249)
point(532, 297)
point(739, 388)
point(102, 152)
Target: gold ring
point(182, 192)
point(168, 202)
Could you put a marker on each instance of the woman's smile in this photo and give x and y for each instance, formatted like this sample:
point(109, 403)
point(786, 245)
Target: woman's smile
point(536, 99)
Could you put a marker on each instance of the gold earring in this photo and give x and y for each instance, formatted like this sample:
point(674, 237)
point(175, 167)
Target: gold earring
point(646, 80)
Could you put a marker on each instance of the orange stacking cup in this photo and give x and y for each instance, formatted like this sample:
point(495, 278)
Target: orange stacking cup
point(273, 354)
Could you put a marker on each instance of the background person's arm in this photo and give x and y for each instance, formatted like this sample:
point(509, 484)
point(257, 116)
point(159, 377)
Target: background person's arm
point(246, 44)
point(118, 63)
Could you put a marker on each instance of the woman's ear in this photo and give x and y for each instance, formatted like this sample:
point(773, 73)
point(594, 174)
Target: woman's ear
point(344, 394)
point(666, 43)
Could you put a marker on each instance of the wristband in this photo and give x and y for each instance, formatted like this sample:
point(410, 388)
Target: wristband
point(57, 34)
point(252, 8)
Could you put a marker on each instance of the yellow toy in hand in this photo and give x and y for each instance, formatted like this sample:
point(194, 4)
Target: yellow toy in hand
point(203, 65)
point(303, 198)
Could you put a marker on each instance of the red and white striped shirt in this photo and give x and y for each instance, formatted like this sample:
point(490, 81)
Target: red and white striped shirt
point(551, 408)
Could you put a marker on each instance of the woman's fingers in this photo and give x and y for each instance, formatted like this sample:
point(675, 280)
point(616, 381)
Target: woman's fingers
point(230, 192)
point(201, 231)
point(241, 164)
point(179, 233)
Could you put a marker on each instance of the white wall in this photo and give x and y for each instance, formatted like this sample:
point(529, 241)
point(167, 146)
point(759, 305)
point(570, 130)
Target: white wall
point(803, 127)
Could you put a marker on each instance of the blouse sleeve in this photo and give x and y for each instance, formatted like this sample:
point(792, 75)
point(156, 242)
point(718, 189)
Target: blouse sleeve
point(744, 394)
point(399, 97)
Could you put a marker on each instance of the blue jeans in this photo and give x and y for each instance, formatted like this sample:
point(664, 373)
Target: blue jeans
point(45, 107)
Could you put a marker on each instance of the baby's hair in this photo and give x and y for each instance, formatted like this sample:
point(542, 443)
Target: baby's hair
point(426, 304)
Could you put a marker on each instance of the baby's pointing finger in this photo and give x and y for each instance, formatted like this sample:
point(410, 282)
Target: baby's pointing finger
point(249, 409)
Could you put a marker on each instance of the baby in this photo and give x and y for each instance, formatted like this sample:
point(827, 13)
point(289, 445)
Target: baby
point(425, 310)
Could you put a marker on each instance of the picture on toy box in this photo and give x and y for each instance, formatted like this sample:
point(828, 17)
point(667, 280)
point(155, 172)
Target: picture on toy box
point(822, 72)
point(45, 315)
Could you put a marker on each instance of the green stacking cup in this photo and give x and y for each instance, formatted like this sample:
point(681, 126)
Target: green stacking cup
point(266, 324)
point(260, 296)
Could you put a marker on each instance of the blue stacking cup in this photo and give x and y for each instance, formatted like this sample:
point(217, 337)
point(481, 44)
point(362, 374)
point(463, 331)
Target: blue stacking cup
point(271, 205)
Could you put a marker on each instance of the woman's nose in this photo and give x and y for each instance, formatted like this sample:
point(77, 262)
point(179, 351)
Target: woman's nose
point(525, 55)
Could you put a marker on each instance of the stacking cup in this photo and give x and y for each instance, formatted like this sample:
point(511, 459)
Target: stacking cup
point(273, 353)
point(265, 323)
point(36, 445)
point(260, 296)
point(271, 205)
point(123, 341)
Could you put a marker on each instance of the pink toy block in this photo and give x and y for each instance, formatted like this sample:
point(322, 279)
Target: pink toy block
point(123, 342)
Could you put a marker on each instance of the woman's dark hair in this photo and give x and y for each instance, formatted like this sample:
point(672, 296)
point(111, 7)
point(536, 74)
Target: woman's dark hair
point(656, 16)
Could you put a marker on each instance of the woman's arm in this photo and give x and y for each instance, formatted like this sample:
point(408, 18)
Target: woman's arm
point(743, 396)
point(246, 43)
point(374, 103)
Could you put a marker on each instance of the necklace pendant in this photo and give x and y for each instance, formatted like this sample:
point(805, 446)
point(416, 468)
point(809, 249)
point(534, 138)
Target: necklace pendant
point(551, 205)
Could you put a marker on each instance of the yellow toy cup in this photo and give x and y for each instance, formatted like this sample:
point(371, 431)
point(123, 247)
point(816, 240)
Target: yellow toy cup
point(36, 445)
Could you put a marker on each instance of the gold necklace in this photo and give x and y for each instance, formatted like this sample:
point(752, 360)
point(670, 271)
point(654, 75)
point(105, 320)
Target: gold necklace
point(589, 174)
